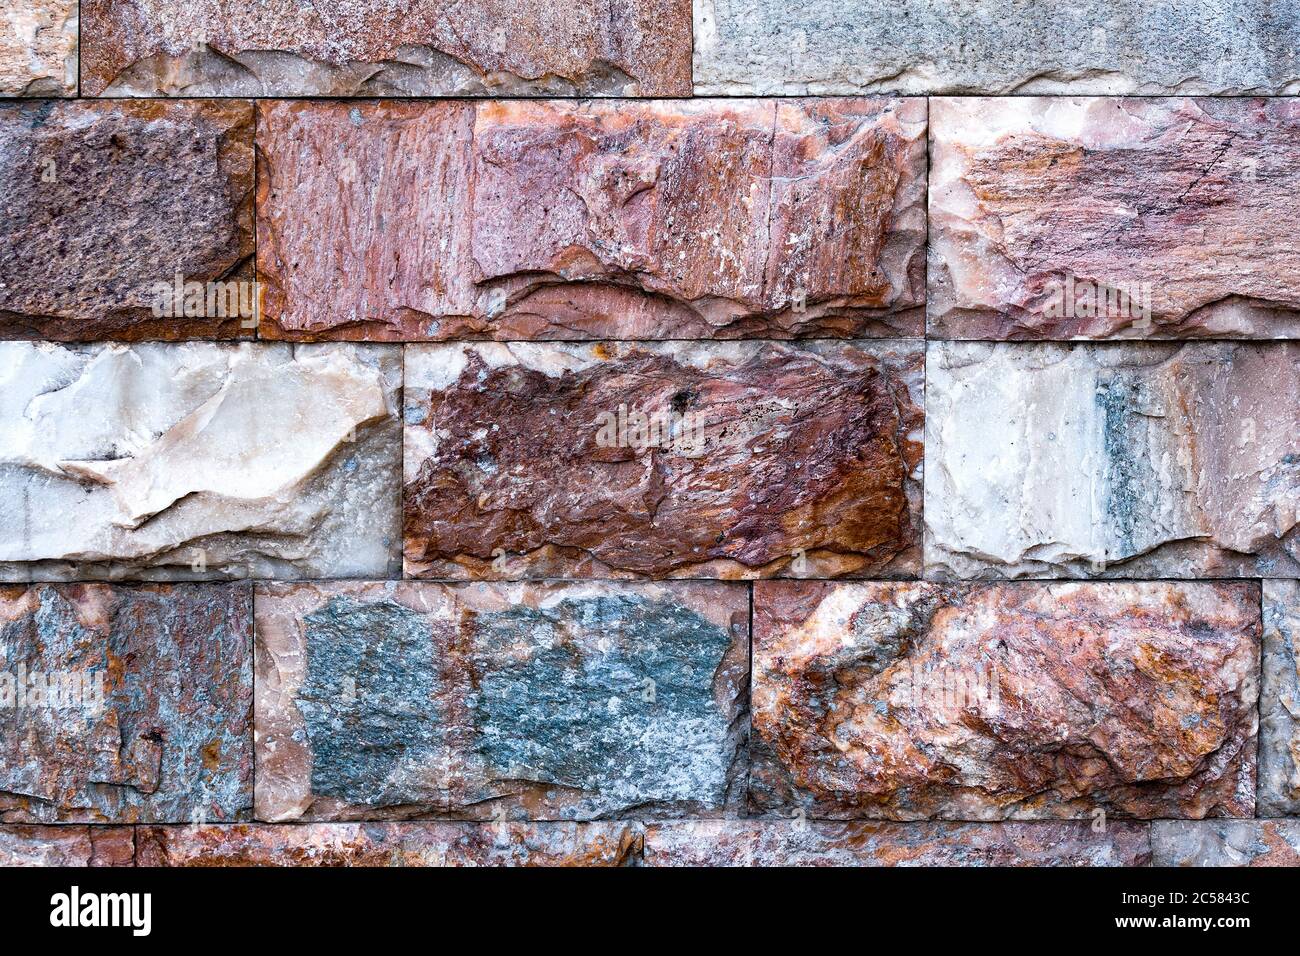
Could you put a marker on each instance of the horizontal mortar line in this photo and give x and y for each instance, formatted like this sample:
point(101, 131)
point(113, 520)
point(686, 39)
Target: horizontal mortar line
point(462, 98)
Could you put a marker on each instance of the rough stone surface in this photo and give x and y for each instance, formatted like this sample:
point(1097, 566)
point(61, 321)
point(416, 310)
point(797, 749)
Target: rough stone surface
point(586, 220)
point(151, 719)
point(102, 202)
point(549, 701)
point(1097, 217)
point(198, 460)
point(1120, 460)
point(828, 47)
point(783, 460)
point(858, 843)
point(38, 47)
point(1005, 701)
point(1226, 843)
point(392, 844)
point(1279, 731)
point(66, 845)
point(386, 48)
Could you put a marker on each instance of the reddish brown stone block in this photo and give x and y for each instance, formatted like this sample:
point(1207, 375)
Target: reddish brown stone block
point(107, 204)
point(722, 460)
point(859, 843)
point(66, 846)
point(125, 704)
point(519, 220)
point(916, 701)
point(1093, 217)
point(420, 48)
point(404, 699)
point(392, 844)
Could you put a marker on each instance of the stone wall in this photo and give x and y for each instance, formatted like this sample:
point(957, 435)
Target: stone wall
point(637, 434)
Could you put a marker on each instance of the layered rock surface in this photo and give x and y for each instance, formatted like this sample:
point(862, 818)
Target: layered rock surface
point(1119, 460)
point(392, 844)
point(917, 700)
point(105, 204)
point(125, 704)
point(824, 47)
point(858, 843)
point(1279, 745)
point(1102, 217)
point(66, 845)
point(1221, 843)
point(198, 460)
point(420, 48)
point(750, 459)
point(584, 220)
point(38, 48)
point(549, 701)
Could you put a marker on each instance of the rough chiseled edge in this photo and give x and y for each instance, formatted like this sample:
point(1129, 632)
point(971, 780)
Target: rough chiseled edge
point(764, 47)
point(472, 311)
point(803, 842)
point(1048, 121)
point(1226, 843)
point(1188, 556)
point(213, 60)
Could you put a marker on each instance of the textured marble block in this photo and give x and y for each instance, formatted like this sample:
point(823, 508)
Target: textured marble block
point(1221, 843)
point(1279, 704)
point(917, 700)
point(66, 845)
point(386, 48)
point(38, 47)
point(125, 704)
point(524, 220)
point(184, 461)
point(391, 844)
point(858, 843)
point(730, 460)
point(1101, 217)
point(830, 47)
point(110, 208)
point(550, 701)
point(1125, 460)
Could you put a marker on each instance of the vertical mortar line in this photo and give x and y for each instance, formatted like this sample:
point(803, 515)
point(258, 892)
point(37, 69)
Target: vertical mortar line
point(1259, 700)
point(925, 337)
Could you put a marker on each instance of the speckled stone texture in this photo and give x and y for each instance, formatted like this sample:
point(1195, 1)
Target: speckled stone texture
point(525, 461)
point(38, 47)
point(521, 220)
point(396, 699)
point(151, 719)
point(858, 843)
point(66, 845)
point(1123, 460)
point(1100, 217)
point(917, 700)
point(105, 202)
point(392, 844)
point(1226, 843)
point(828, 47)
point(386, 48)
point(169, 461)
point(1279, 724)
